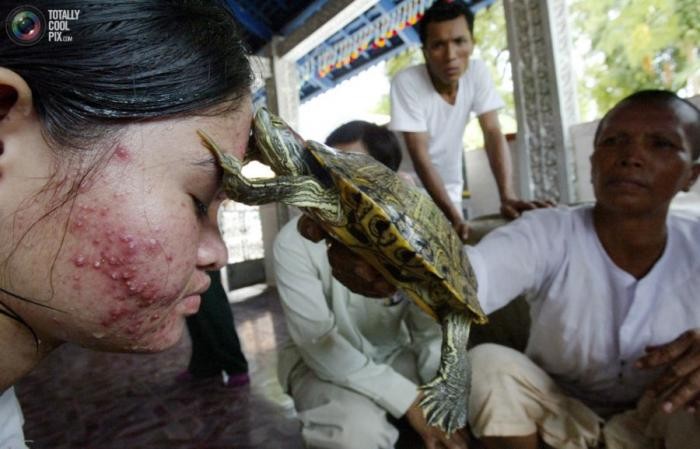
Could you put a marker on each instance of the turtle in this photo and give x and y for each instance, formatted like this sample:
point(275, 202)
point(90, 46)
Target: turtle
point(395, 227)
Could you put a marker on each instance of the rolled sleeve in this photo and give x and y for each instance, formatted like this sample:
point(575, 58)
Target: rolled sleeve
point(304, 282)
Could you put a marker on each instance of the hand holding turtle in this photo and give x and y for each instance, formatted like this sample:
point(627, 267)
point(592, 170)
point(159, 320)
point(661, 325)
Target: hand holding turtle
point(679, 385)
point(349, 268)
point(433, 437)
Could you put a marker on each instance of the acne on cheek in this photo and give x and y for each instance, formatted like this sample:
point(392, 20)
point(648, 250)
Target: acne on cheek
point(161, 336)
point(122, 153)
point(133, 268)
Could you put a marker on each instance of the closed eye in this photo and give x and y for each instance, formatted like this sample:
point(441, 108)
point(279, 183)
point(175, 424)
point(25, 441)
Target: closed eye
point(200, 208)
point(662, 143)
point(608, 141)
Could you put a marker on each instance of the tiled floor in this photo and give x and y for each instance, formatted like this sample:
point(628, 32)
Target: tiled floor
point(84, 399)
point(81, 399)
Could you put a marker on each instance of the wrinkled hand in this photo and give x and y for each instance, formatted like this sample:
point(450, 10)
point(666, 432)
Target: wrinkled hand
point(679, 385)
point(349, 268)
point(433, 437)
point(513, 207)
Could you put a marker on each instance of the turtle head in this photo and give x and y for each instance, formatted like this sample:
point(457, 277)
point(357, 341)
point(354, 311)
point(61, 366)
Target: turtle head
point(276, 144)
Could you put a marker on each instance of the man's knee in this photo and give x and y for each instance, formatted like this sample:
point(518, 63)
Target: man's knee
point(338, 426)
point(499, 389)
point(494, 364)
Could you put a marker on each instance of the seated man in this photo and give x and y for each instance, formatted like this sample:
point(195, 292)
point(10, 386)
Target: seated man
point(353, 359)
point(614, 351)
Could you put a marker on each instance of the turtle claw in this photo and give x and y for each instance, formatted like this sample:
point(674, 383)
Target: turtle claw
point(444, 405)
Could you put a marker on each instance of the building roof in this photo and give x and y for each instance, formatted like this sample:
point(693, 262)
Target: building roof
point(332, 40)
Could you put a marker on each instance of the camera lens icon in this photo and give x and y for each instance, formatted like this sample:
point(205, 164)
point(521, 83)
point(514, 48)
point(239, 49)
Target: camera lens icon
point(25, 25)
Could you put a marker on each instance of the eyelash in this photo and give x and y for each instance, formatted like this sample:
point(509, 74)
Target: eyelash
point(200, 209)
point(663, 143)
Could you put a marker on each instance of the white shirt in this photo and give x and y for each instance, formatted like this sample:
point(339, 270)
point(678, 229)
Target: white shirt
point(11, 421)
point(417, 107)
point(345, 338)
point(590, 319)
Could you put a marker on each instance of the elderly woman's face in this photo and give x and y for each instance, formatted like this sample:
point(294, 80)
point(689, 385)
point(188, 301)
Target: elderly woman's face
point(643, 156)
point(125, 258)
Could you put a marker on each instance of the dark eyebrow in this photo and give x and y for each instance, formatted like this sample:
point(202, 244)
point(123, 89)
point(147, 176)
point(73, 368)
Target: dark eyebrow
point(665, 133)
point(209, 164)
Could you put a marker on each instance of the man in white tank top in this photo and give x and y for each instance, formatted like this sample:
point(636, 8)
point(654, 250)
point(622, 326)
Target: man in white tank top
point(431, 105)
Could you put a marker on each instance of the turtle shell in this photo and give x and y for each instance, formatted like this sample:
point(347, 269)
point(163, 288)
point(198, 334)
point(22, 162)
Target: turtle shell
point(401, 232)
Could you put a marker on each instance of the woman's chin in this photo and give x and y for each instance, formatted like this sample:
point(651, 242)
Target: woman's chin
point(165, 336)
point(189, 305)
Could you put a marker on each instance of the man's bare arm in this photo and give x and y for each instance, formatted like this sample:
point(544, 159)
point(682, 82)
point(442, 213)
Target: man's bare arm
point(417, 144)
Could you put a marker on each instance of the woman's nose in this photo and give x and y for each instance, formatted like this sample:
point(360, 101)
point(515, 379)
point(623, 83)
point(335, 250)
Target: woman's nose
point(632, 154)
point(211, 253)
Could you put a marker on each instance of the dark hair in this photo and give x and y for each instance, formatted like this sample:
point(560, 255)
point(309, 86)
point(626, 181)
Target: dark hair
point(444, 10)
point(381, 143)
point(129, 60)
point(664, 97)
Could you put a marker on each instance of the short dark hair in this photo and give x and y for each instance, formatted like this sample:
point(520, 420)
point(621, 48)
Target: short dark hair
point(443, 10)
point(381, 143)
point(664, 97)
point(131, 60)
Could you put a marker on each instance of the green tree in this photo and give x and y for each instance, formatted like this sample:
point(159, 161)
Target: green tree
point(633, 45)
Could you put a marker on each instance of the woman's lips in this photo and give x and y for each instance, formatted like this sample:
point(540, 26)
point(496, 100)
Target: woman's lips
point(190, 304)
point(627, 183)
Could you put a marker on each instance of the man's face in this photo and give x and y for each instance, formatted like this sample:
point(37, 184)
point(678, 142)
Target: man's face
point(643, 156)
point(448, 46)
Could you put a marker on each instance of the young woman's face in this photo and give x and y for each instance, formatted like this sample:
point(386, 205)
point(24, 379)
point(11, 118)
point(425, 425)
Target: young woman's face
point(125, 258)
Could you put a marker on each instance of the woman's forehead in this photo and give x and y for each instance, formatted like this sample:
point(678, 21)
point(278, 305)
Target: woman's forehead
point(659, 114)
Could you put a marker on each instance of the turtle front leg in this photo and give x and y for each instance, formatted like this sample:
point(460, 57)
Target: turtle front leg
point(446, 397)
point(300, 191)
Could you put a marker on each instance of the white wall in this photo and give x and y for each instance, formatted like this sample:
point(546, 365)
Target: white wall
point(482, 186)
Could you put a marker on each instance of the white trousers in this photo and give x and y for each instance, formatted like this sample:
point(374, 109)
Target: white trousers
point(334, 417)
point(11, 421)
point(512, 396)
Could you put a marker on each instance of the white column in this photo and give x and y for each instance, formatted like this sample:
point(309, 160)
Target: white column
point(545, 97)
point(283, 85)
point(282, 88)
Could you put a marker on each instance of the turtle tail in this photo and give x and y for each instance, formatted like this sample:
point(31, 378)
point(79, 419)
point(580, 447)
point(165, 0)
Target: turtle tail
point(446, 398)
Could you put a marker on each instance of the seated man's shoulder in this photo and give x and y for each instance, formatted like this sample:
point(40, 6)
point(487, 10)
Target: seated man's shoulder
point(559, 214)
point(288, 236)
point(290, 228)
point(687, 226)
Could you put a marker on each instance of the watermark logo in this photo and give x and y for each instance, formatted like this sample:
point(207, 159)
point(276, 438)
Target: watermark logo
point(59, 24)
point(25, 25)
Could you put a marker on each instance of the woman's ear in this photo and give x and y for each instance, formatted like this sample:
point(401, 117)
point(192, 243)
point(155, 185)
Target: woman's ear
point(20, 130)
point(15, 100)
point(695, 172)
